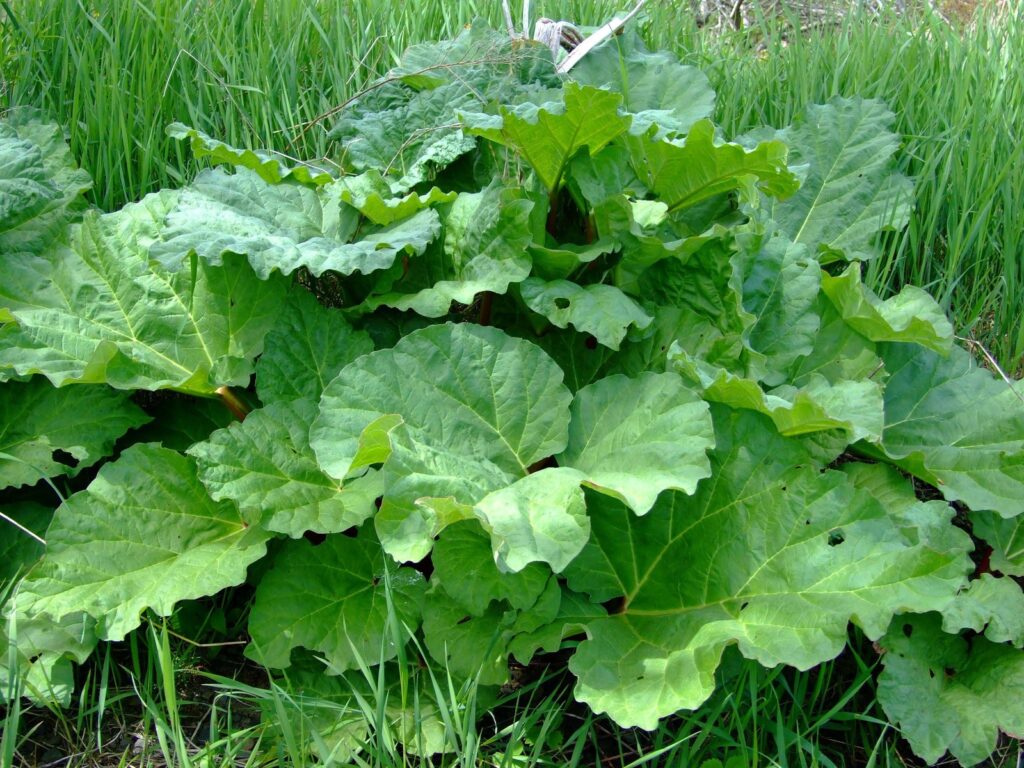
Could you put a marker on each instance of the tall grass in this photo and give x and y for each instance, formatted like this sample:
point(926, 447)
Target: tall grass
point(958, 97)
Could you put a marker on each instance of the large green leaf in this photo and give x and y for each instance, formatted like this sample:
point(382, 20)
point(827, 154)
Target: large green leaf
point(306, 348)
point(683, 175)
point(461, 385)
point(454, 412)
point(549, 135)
point(850, 188)
point(334, 598)
point(771, 554)
point(946, 694)
point(40, 185)
point(912, 315)
point(283, 227)
point(39, 423)
point(485, 241)
point(603, 311)
point(634, 438)
point(265, 466)
point(956, 426)
point(144, 534)
point(99, 312)
point(269, 167)
point(656, 89)
point(1006, 537)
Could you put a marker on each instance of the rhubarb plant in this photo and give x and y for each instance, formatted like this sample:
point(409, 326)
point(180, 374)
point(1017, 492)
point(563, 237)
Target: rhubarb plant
point(543, 362)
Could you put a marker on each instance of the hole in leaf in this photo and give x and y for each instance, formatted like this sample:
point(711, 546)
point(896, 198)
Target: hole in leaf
point(65, 458)
point(376, 580)
point(463, 620)
point(836, 537)
point(744, 605)
point(561, 303)
point(908, 630)
point(807, 522)
point(950, 672)
point(931, 673)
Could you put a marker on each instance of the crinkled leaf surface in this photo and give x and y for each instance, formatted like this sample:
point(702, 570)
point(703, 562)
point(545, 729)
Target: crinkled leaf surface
point(991, 605)
point(282, 227)
point(946, 695)
point(477, 408)
point(634, 438)
point(306, 348)
point(41, 186)
point(548, 135)
point(850, 188)
point(956, 426)
point(485, 241)
point(408, 135)
point(683, 175)
point(778, 556)
point(501, 396)
point(405, 125)
point(656, 89)
point(370, 194)
point(37, 420)
point(144, 534)
point(912, 315)
point(99, 312)
point(1006, 537)
point(331, 599)
point(603, 311)
point(265, 466)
